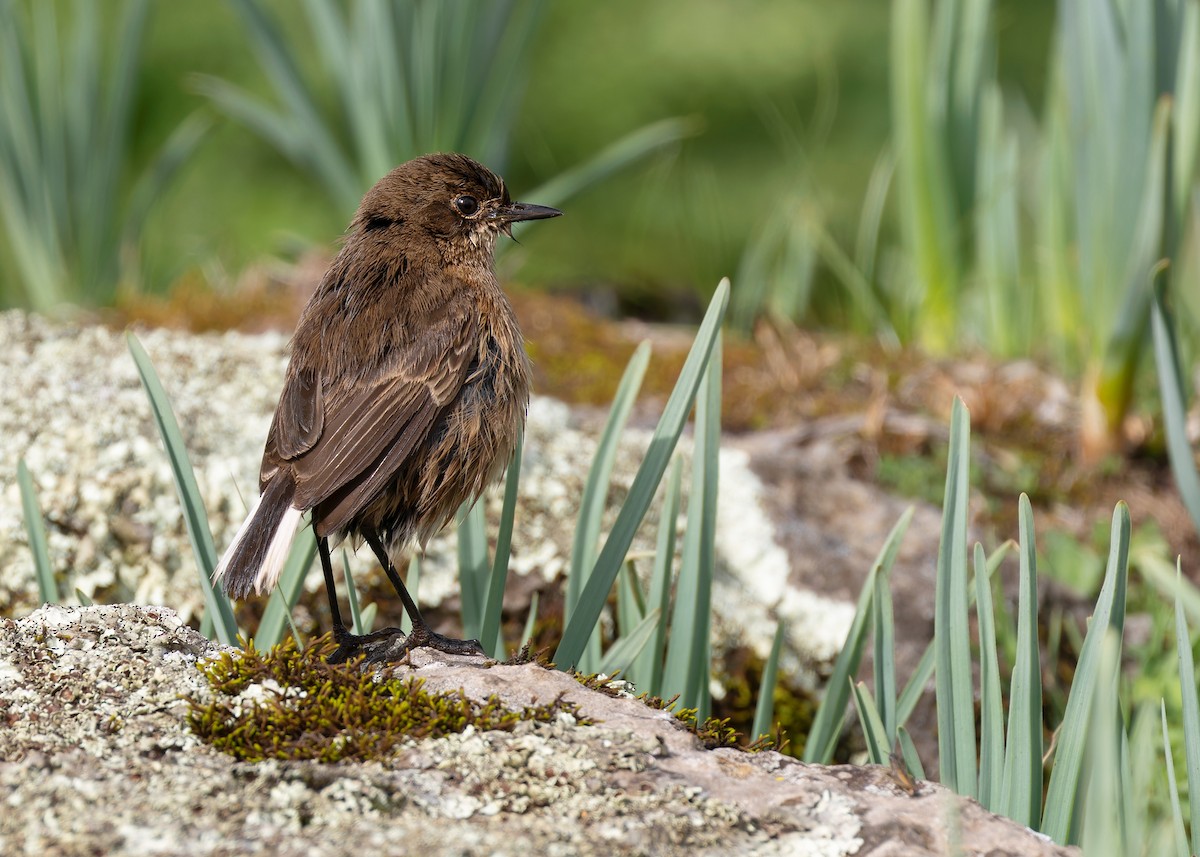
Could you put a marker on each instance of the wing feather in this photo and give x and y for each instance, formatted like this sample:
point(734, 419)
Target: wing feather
point(344, 441)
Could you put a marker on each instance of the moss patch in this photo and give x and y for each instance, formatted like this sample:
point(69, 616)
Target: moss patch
point(288, 704)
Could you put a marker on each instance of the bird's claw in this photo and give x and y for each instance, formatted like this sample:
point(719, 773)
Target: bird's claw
point(391, 645)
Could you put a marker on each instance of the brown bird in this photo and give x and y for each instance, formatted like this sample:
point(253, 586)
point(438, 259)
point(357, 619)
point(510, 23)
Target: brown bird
point(406, 392)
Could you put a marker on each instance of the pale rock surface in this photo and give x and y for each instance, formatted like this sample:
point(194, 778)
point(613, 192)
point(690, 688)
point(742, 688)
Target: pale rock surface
point(96, 758)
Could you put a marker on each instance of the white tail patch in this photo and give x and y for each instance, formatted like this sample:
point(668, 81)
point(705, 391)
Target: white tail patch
point(277, 552)
point(223, 565)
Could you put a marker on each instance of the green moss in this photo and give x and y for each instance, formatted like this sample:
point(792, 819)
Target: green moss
point(308, 709)
point(713, 733)
point(609, 685)
point(740, 673)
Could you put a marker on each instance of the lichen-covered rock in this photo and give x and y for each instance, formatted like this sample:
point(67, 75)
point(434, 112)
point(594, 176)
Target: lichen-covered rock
point(96, 758)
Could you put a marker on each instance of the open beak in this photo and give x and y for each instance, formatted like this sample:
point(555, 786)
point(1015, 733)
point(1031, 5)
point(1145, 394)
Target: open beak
point(524, 211)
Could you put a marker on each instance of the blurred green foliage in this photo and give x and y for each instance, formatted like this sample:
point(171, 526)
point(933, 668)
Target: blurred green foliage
point(755, 76)
point(73, 202)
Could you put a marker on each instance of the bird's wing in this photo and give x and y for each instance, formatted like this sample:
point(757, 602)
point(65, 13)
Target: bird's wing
point(348, 439)
point(300, 416)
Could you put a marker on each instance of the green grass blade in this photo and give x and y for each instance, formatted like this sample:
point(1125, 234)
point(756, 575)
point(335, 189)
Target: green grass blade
point(1191, 712)
point(650, 662)
point(1103, 831)
point(1177, 828)
point(764, 709)
point(1171, 385)
point(923, 179)
point(194, 513)
point(412, 583)
point(917, 682)
point(822, 737)
point(1141, 774)
point(530, 620)
point(255, 114)
point(472, 566)
point(153, 181)
point(955, 694)
point(35, 527)
point(259, 640)
point(368, 618)
point(281, 64)
point(352, 595)
point(1022, 786)
point(595, 493)
point(1011, 320)
point(865, 301)
point(295, 632)
point(641, 492)
point(991, 726)
point(67, 108)
point(885, 656)
point(493, 609)
point(617, 155)
point(908, 752)
point(631, 606)
point(623, 652)
point(1127, 338)
point(492, 101)
point(1066, 777)
point(688, 669)
point(277, 615)
point(866, 243)
point(878, 750)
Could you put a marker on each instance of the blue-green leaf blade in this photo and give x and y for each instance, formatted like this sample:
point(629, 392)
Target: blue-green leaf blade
point(645, 482)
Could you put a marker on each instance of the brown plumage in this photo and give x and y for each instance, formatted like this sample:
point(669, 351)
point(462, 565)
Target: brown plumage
point(407, 387)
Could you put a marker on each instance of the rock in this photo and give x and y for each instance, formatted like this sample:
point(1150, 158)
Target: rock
point(97, 758)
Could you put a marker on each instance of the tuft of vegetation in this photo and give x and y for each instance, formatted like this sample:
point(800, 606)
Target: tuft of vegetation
point(285, 703)
point(1088, 774)
point(713, 732)
point(609, 685)
point(69, 215)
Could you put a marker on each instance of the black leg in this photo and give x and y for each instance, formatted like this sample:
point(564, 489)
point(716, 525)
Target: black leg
point(410, 606)
point(330, 589)
point(348, 644)
point(421, 634)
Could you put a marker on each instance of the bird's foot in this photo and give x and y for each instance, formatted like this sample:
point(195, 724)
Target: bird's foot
point(390, 645)
point(350, 644)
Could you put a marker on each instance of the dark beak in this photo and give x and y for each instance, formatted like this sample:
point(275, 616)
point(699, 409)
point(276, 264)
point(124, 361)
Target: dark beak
point(524, 211)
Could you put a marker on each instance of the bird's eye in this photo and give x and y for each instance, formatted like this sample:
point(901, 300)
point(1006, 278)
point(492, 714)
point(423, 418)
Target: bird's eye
point(466, 205)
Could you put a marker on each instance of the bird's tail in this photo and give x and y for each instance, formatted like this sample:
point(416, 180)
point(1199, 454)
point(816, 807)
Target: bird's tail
point(255, 559)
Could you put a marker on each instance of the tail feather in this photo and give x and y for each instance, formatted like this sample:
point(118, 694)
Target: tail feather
point(255, 559)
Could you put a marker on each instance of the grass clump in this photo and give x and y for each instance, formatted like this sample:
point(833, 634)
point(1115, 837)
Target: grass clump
point(284, 703)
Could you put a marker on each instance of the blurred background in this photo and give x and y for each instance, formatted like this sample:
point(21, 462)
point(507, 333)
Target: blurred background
point(1009, 178)
point(780, 102)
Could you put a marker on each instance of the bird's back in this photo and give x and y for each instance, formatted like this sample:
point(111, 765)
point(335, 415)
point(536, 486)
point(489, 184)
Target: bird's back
point(407, 404)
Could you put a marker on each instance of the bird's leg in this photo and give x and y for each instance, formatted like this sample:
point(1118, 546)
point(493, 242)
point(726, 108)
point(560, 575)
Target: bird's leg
point(348, 643)
point(421, 634)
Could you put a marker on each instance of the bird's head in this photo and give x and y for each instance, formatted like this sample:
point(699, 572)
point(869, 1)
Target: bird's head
point(447, 202)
